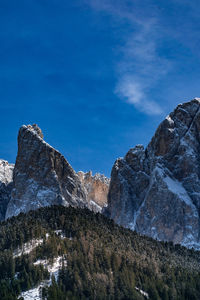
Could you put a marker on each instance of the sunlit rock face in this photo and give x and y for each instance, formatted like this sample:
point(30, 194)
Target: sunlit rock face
point(42, 176)
point(96, 189)
point(6, 184)
point(156, 191)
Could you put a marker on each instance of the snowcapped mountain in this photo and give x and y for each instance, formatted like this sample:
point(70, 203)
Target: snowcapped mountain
point(6, 175)
point(43, 177)
point(156, 191)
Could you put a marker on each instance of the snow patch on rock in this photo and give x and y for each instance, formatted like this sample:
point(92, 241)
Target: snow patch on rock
point(6, 172)
point(95, 207)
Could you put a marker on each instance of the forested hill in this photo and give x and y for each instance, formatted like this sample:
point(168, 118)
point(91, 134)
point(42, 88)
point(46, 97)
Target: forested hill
point(99, 260)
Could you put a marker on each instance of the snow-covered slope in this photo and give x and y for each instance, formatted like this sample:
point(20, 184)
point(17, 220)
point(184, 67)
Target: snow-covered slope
point(156, 190)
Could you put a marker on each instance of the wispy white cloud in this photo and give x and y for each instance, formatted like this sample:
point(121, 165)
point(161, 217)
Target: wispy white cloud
point(133, 93)
point(140, 65)
point(130, 90)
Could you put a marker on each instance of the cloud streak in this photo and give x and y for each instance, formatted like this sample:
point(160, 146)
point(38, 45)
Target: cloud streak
point(140, 66)
point(132, 92)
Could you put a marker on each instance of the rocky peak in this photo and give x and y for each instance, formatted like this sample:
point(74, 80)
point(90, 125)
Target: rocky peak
point(6, 182)
point(42, 176)
point(156, 190)
point(6, 172)
point(178, 125)
point(96, 189)
point(37, 130)
point(136, 157)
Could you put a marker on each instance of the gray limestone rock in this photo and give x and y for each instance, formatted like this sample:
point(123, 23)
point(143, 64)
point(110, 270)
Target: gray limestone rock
point(42, 176)
point(96, 189)
point(156, 191)
point(6, 183)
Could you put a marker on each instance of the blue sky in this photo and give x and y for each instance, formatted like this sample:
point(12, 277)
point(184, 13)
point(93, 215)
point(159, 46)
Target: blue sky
point(97, 76)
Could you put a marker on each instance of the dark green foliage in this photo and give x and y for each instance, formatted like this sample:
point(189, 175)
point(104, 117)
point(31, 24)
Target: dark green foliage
point(104, 261)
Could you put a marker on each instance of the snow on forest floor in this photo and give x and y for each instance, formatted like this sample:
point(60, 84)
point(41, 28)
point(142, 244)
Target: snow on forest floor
point(60, 233)
point(29, 246)
point(52, 268)
point(145, 294)
point(35, 293)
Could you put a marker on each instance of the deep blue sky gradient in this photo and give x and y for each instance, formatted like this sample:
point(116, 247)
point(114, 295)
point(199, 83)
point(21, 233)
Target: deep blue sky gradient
point(62, 64)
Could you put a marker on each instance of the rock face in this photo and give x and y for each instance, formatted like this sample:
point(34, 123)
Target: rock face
point(96, 190)
point(42, 176)
point(156, 191)
point(6, 183)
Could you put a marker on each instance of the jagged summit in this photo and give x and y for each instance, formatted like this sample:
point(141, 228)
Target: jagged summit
point(6, 171)
point(96, 176)
point(42, 176)
point(34, 128)
point(96, 189)
point(6, 184)
point(156, 190)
